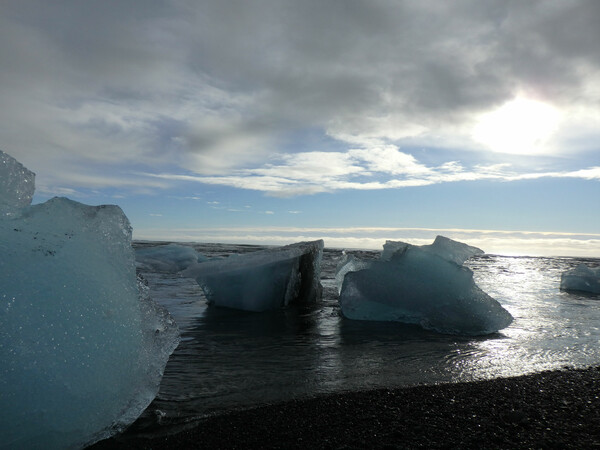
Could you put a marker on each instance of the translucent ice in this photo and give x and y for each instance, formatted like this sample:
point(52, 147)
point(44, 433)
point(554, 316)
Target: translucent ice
point(581, 278)
point(82, 345)
point(442, 246)
point(262, 280)
point(348, 263)
point(17, 185)
point(167, 258)
point(423, 285)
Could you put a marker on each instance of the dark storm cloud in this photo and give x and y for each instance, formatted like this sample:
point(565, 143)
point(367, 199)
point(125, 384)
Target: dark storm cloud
point(428, 62)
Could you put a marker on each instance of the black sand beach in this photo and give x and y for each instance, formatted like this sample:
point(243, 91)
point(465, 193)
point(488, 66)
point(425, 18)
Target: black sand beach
point(557, 409)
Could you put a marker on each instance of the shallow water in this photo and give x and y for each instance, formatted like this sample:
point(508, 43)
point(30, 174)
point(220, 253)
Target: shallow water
point(231, 359)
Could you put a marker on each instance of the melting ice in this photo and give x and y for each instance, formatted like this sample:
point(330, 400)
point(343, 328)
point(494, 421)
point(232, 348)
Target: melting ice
point(426, 285)
point(581, 278)
point(263, 280)
point(82, 346)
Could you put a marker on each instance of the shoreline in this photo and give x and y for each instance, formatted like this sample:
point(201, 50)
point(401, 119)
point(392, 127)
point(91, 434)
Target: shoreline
point(551, 409)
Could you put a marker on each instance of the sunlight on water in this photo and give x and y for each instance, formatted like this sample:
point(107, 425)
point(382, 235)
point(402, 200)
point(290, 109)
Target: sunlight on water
point(232, 359)
point(551, 328)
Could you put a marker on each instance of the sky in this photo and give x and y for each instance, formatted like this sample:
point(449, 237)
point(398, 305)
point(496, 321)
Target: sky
point(274, 121)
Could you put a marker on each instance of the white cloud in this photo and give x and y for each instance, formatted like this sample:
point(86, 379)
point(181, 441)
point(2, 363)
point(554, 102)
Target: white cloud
point(364, 169)
point(388, 159)
point(593, 173)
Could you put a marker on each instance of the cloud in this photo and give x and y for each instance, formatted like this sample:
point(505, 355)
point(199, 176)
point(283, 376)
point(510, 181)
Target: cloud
point(215, 88)
point(364, 169)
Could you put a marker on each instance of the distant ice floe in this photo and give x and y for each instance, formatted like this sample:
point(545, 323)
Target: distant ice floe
point(167, 258)
point(262, 280)
point(582, 278)
point(425, 285)
point(83, 347)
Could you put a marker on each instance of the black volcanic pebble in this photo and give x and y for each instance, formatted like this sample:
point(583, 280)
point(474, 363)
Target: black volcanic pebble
point(558, 409)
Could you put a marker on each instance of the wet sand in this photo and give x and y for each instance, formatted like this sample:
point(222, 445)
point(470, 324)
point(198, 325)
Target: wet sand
point(557, 409)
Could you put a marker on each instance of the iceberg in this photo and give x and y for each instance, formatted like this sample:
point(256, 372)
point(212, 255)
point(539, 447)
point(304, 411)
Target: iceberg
point(169, 258)
point(581, 278)
point(424, 285)
point(82, 345)
point(262, 280)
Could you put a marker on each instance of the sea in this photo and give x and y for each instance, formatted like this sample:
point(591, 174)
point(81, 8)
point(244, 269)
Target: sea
point(229, 360)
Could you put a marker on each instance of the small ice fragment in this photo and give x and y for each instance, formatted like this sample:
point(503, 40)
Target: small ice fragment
point(581, 278)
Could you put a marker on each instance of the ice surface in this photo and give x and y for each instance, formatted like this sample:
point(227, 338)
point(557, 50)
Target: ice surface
point(423, 285)
point(17, 185)
point(167, 258)
point(262, 280)
point(581, 278)
point(348, 263)
point(450, 250)
point(390, 248)
point(82, 345)
point(442, 246)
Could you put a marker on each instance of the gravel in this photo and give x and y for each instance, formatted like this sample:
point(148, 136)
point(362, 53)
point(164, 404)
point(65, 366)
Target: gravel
point(555, 409)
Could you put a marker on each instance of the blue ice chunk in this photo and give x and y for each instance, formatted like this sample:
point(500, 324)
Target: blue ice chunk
point(448, 249)
point(581, 278)
point(82, 346)
point(424, 286)
point(348, 263)
point(263, 280)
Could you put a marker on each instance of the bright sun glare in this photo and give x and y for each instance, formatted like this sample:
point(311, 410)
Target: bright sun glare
point(521, 126)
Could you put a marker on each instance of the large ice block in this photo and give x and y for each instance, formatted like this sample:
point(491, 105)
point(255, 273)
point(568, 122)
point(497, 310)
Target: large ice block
point(82, 345)
point(423, 286)
point(582, 278)
point(262, 280)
